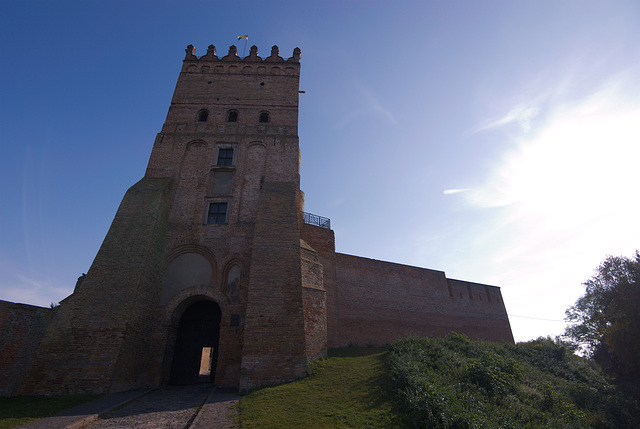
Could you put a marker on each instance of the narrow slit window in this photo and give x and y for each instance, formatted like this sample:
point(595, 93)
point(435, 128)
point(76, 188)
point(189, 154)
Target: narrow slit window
point(232, 116)
point(264, 117)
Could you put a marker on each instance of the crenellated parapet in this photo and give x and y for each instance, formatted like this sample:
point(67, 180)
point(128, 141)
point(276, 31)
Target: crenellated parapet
point(211, 63)
point(234, 91)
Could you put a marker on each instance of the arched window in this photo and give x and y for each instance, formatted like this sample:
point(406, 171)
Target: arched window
point(232, 116)
point(203, 115)
point(232, 283)
point(264, 117)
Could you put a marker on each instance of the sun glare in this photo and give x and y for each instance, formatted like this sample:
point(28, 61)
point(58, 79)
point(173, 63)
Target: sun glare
point(578, 166)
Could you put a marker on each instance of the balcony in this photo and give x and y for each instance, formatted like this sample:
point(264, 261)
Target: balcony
point(316, 220)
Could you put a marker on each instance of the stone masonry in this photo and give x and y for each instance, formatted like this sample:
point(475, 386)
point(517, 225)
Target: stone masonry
point(210, 254)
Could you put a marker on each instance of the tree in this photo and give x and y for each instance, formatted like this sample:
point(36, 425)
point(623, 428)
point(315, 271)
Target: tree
point(605, 322)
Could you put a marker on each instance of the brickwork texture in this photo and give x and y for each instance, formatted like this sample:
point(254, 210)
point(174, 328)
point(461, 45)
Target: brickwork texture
point(218, 217)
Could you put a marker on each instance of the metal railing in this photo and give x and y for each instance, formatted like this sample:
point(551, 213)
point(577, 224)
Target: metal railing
point(316, 220)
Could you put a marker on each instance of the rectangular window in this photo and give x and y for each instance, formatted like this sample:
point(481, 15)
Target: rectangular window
point(217, 213)
point(225, 156)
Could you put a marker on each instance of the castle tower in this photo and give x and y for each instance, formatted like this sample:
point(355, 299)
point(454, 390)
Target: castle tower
point(203, 273)
point(211, 271)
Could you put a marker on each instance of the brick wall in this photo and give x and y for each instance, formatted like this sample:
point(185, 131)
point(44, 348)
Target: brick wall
point(322, 240)
point(314, 299)
point(294, 295)
point(99, 339)
point(380, 301)
point(22, 327)
point(274, 333)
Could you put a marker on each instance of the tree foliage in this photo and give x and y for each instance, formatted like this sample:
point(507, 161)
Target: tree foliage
point(605, 321)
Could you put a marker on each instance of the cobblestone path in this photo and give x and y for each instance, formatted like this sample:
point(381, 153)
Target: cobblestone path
point(169, 407)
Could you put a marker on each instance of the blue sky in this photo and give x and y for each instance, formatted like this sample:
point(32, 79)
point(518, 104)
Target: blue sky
point(494, 140)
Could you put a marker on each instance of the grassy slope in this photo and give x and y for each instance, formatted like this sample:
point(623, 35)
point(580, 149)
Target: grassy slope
point(454, 382)
point(438, 383)
point(350, 389)
point(448, 382)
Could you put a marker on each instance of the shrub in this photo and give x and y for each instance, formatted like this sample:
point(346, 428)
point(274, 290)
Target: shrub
point(455, 382)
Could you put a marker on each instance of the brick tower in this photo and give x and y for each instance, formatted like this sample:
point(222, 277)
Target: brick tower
point(204, 256)
point(211, 271)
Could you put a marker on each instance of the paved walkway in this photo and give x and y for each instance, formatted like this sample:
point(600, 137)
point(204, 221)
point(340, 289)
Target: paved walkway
point(180, 407)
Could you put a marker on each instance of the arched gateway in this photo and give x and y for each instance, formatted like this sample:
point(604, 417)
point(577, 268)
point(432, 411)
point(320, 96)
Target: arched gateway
point(195, 353)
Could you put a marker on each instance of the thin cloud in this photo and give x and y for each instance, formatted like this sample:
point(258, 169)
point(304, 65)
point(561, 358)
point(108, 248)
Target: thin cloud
point(376, 104)
point(369, 105)
point(454, 191)
point(522, 115)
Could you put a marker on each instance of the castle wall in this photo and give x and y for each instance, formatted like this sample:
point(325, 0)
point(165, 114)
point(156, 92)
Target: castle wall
point(381, 301)
point(99, 339)
point(314, 298)
point(315, 322)
point(229, 144)
point(322, 240)
point(274, 333)
point(22, 327)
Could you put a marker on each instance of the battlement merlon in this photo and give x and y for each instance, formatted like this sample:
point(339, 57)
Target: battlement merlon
point(248, 85)
point(191, 61)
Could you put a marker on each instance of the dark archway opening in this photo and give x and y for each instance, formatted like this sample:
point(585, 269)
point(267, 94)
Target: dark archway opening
point(195, 354)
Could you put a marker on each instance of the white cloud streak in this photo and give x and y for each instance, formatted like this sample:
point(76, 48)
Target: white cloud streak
point(522, 115)
point(453, 191)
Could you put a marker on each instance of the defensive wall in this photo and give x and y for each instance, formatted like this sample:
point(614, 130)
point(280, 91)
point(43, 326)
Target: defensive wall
point(267, 289)
point(22, 327)
point(372, 302)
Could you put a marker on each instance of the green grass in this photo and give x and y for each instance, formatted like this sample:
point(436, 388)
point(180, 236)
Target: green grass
point(350, 389)
point(452, 383)
point(19, 410)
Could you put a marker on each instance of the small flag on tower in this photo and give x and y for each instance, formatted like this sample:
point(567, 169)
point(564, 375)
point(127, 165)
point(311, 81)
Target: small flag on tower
point(243, 37)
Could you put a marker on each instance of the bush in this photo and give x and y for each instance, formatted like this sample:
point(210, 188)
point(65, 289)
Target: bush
point(455, 382)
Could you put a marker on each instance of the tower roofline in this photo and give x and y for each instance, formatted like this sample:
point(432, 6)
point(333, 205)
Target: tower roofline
point(211, 55)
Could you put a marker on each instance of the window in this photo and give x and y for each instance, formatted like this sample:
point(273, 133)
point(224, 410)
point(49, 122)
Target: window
point(225, 156)
point(217, 213)
point(203, 115)
point(264, 117)
point(232, 116)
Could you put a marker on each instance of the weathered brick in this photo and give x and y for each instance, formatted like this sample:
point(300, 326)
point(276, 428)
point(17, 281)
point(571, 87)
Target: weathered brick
point(265, 290)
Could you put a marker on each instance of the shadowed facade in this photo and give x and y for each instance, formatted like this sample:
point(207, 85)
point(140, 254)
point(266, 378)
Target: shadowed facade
point(211, 257)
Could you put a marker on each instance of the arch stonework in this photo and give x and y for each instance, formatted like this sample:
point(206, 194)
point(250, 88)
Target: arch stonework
point(197, 339)
point(186, 270)
point(169, 319)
